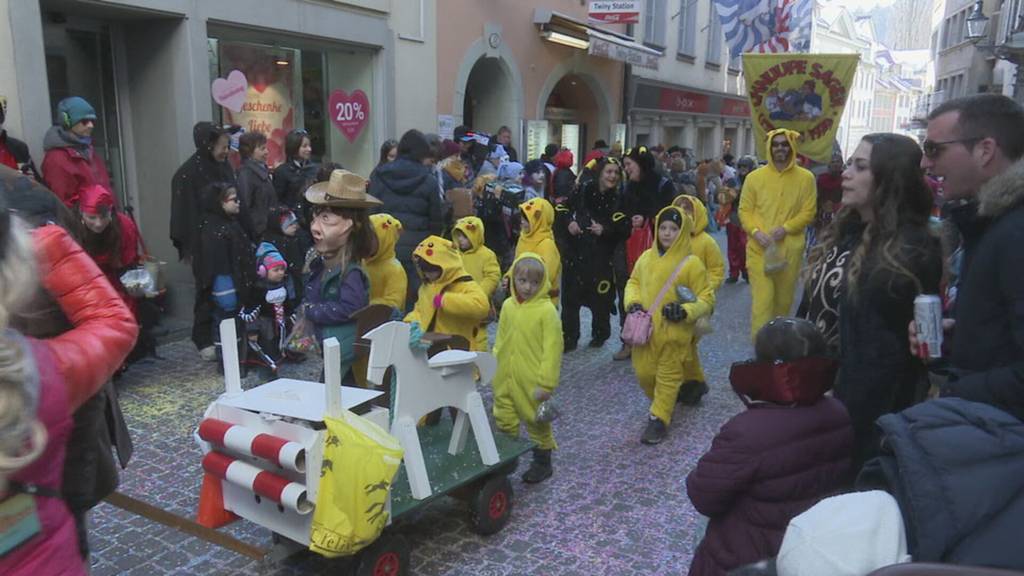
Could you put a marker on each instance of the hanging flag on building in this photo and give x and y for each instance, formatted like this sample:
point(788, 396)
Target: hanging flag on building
point(766, 25)
point(802, 92)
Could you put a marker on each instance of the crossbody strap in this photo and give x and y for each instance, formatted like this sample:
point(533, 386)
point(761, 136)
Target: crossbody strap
point(668, 283)
point(433, 320)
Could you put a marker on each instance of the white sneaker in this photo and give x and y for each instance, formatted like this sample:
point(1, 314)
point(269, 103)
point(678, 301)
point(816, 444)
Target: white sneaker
point(209, 354)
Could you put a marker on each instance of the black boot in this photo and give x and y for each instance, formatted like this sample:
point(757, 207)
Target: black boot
point(691, 392)
point(540, 468)
point(655, 432)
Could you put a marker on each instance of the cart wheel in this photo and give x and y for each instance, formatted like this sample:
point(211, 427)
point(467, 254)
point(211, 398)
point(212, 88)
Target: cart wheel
point(388, 556)
point(491, 507)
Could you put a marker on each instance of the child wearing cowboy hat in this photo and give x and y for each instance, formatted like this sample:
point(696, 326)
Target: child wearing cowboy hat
point(337, 286)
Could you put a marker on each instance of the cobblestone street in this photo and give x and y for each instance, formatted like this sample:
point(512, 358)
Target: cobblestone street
point(614, 506)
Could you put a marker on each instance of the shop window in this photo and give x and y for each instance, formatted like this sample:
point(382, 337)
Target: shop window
point(291, 88)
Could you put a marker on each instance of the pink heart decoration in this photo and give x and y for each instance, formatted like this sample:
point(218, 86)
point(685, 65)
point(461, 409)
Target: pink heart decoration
point(349, 113)
point(230, 92)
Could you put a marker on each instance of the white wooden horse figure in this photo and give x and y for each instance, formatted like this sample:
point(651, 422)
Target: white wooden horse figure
point(446, 379)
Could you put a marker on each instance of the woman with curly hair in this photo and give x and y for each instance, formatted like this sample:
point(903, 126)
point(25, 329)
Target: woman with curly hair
point(863, 275)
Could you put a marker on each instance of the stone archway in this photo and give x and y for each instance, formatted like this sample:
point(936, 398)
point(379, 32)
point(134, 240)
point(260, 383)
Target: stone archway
point(504, 106)
point(579, 66)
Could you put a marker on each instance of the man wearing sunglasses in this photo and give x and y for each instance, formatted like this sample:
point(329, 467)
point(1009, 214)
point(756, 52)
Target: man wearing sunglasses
point(975, 144)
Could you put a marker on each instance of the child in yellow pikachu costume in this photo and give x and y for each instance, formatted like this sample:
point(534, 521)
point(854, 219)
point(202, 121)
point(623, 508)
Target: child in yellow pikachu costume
point(528, 347)
point(659, 363)
point(449, 301)
point(480, 261)
point(388, 282)
point(537, 218)
point(778, 202)
point(706, 248)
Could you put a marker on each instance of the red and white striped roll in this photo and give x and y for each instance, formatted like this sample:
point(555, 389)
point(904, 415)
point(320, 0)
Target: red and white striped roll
point(266, 484)
point(287, 454)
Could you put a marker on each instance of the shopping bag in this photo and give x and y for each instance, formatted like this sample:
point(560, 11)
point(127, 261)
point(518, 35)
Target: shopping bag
point(774, 259)
point(359, 464)
point(639, 240)
point(140, 282)
point(302, 339)
point(636, 330)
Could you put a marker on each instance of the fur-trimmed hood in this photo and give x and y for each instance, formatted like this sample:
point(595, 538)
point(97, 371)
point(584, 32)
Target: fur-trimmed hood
point(1002, 193)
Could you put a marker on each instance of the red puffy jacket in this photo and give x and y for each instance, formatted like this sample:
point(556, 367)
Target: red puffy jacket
point(104, 329)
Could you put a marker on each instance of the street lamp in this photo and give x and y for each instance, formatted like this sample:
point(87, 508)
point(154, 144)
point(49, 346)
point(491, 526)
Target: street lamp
point(977, 23)
point(1011, 50)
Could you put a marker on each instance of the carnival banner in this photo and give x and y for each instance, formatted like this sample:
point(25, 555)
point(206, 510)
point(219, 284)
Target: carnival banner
point(766, 25)
point(802, 92)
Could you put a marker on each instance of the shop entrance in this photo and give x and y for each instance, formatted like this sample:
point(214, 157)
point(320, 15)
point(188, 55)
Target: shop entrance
point(572, 114)
point(80, 61)
point(489, 100)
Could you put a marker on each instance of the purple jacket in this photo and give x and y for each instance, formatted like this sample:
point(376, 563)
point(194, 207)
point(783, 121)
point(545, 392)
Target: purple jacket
point(766, 466)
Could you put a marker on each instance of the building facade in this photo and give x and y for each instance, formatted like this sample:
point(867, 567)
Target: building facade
point(539, 68)
point(349, 73)
point(695, 98)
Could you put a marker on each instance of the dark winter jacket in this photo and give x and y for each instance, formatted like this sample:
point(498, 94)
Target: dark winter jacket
point(587, 258)
point(191, 178)
point(70, 164)
point(293, 248)
point(257, 195)
point(957, 470)
point(14, 154)
point(290, 182)
point(225, 251)
point(647, 197)
point(877, 373)
point(409, 192)
point(988, 342)
point(766, 466)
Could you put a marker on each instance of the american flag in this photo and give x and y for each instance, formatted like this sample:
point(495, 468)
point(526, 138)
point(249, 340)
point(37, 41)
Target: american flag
point(766, 25)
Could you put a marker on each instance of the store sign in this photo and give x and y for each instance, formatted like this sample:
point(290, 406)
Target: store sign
point(683, 101)
point(628, 54)
point(732, 107)
point(615, 11)
point(349, 112)
point(446, 126)
point(536, 137)
point(231, 92)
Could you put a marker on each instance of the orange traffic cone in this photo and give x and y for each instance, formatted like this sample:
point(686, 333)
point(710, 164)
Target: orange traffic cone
point(211, 504)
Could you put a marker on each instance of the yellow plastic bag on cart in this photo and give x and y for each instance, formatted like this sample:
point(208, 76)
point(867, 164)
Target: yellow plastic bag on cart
point(360, 462)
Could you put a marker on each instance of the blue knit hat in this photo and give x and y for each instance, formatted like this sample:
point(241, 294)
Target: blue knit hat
point(73, 110)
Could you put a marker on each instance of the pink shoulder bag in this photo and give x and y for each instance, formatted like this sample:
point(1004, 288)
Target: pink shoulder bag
point(637, 329)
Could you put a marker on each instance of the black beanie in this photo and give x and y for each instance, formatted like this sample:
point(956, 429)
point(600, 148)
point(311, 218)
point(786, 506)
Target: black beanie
point(672, 215)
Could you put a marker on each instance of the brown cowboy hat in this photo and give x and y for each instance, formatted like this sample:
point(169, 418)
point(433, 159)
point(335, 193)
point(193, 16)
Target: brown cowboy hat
point(344, 190)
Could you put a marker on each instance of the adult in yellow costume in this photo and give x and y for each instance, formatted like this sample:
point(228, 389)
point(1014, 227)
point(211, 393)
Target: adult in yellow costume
point(777, 204)
point(659, 363)
point(706, 248)
point(388, 281)
point(539, 239)
point(449, 300)
point(480, 261)
point(528, 347)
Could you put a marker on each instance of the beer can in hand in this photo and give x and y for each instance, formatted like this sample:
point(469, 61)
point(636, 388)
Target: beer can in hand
point(928, 317)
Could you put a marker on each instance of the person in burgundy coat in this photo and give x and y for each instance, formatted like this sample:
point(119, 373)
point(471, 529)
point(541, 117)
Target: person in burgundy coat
point(789, 449)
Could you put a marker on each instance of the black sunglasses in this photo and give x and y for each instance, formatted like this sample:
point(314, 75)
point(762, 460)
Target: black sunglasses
point(932, 149)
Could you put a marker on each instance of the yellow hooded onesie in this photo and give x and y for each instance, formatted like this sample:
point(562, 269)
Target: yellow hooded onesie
point(706, 248)
point(388, 282)
point(659, 363)
point(528, 347)
point(463, 304)
point(481, 263)
point(541, 240)
point(773, 198)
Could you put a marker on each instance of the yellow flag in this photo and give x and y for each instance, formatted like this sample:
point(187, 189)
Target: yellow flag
point(801, 92)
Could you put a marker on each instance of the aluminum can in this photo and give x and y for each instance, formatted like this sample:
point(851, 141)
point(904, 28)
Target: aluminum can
point(928, 317)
